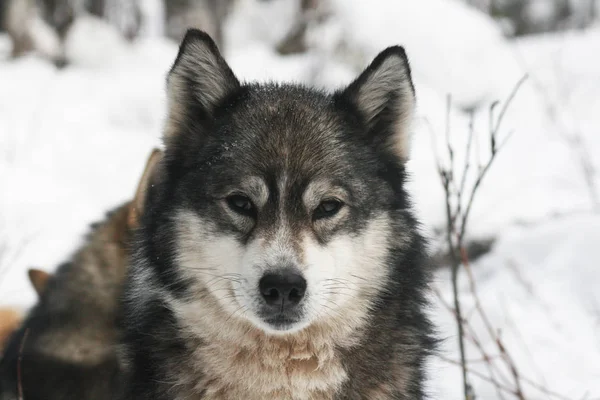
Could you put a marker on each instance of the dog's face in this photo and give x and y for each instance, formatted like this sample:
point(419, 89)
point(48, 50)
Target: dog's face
point(283, 198)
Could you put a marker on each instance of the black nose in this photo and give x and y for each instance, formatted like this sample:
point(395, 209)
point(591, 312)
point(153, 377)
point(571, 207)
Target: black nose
point(282, 289)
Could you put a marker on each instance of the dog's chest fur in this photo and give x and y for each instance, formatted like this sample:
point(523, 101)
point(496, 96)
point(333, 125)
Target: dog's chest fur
point(272, 370)
point(242, 362)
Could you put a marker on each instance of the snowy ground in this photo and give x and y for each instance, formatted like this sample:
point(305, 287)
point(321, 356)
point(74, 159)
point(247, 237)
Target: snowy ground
point(73, 142)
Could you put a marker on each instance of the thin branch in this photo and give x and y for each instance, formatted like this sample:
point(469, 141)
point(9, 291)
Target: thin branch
point(457, 220)
point(447, 179)
point(465, 172)
point(504, 387)
point(507, 103)
point(494, 150)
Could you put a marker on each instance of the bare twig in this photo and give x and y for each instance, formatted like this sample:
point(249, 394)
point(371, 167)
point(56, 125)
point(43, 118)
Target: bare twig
point(505, 388)
point(457, 220)
point(502, 370)
point(494, 149)
point(447, 180)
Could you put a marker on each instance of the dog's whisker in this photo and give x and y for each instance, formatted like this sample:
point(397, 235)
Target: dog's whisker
point(359, 277)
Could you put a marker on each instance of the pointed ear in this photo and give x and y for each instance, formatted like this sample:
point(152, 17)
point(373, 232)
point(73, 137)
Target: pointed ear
point(385, 97)
point(38, 279)
point(136, 207)
point(199, 80)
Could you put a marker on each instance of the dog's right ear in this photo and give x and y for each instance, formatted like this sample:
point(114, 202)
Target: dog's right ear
point(198, 82)
point(136, 207)
point(38, 279)
point(384, 96)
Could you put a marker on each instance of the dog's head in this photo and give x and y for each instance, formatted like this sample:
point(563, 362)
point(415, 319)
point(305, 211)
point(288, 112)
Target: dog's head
point(283, 200)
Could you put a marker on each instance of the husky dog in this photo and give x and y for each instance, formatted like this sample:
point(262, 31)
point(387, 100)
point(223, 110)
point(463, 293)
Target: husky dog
point(278, 257)
point(66, 347)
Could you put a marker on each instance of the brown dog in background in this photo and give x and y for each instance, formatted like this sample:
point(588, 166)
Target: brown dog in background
point(68, 340)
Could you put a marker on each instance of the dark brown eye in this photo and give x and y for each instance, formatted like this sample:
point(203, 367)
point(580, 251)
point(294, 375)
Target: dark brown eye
point(241, 205)
point(327, 208)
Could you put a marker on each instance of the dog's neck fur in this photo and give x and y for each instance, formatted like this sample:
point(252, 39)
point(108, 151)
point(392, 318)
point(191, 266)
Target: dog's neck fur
point(242, 361)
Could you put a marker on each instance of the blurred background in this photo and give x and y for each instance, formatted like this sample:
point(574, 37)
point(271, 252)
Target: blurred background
point(82, 103)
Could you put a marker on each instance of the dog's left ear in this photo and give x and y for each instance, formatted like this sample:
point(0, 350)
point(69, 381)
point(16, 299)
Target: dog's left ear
point(198, 82)
point(385, 97)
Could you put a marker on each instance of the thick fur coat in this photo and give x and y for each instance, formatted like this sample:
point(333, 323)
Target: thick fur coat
point(278, 181)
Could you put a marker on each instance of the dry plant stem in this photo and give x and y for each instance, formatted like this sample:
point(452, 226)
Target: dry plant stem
point(506, 389)
point(447, 180)
point(501, 388)
point(456, 297)
point(494, 148)
point(503, 352)
point(20, 360)
point(501, 385)
point(459, 323)
point(457, 218)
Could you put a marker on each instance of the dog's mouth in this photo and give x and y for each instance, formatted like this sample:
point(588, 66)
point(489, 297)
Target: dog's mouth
point(281, 320)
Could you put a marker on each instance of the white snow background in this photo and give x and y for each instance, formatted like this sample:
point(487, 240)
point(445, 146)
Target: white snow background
point(73, 143)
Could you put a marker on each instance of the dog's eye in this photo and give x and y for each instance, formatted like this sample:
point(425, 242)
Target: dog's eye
point(328, 208)
point(241, 205)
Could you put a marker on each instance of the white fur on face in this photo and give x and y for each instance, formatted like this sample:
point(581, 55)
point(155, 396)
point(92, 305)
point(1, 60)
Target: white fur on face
point(342, 275)
point(220, 265)
point(211, 260)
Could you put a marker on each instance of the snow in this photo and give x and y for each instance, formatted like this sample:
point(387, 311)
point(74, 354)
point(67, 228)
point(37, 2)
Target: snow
point(73, 143)
point(539, 287)
point(451, 46)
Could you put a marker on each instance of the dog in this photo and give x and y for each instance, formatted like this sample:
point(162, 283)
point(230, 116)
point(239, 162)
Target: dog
point(66, 346)
point(278, 257)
